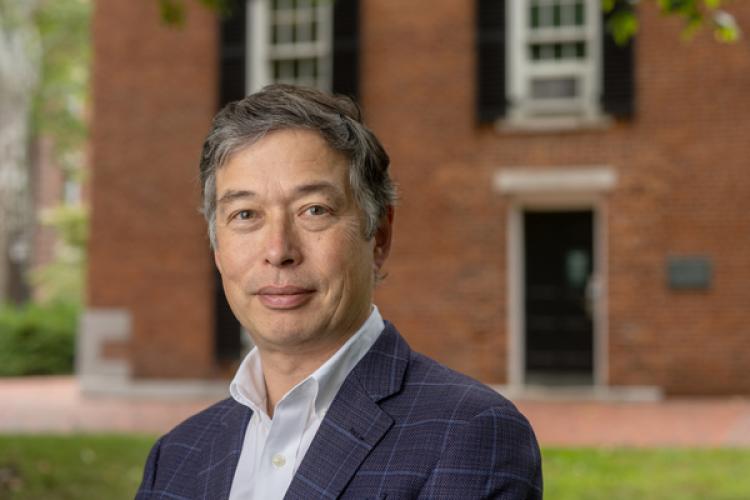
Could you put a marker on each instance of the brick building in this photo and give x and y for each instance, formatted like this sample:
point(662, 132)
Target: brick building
point(573, 213)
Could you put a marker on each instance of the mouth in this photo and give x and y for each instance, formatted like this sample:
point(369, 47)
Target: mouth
point(284, 297)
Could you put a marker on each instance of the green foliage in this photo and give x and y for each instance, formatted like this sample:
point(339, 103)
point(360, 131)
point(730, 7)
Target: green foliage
point(621, 21)
point(59, 113)
point(71, 467)
point(173, 11)
point(654, 474)
point(37, 340)
point(695, 13)
point(63, 278)
point(71, 223)
point(60, 103)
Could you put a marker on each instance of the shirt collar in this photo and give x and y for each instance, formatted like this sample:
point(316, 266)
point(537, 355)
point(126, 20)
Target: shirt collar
point(248, 385)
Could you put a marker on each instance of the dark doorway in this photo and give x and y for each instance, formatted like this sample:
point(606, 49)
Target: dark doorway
point(558, 310)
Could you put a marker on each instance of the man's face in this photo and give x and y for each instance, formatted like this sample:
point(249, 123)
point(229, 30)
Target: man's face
point(296, 268)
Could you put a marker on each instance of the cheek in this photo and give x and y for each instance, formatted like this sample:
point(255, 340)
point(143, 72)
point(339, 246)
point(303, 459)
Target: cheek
point(234, 262)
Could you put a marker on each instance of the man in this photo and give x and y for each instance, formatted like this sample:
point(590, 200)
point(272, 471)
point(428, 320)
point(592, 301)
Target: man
point(331, 402)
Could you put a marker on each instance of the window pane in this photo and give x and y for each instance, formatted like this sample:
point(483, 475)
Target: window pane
point(536, 51)
point(284, 34)
point(580, 14)
point(534, 16)
point(558, 50)
point(554, 88)
point(286, 70)
point(567, 15)
point(304, 32)
point(297, 54)
point(545, 15)
point(569, 51)
point(556, 15)
point(306, 69)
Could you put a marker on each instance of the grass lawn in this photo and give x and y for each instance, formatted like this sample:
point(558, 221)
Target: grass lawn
point(109, 467)
point(658, 474)
point(78, 467)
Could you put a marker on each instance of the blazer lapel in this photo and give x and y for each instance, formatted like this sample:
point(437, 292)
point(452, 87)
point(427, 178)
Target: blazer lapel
point(354, 423)
point(215, 480)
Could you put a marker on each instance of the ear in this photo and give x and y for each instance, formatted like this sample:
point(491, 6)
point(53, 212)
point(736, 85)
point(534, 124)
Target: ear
point(217, 260)
point(383, 238)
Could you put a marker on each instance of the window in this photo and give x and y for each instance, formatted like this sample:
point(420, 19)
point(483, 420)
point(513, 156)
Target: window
point(290, 41)
point(554, 58)
point(550, 61)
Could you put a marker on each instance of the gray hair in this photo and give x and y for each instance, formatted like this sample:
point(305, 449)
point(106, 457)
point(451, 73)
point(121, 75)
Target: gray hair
point(278, 107)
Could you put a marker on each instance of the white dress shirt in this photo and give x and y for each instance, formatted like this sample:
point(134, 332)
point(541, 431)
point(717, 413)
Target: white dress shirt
point(274, 447)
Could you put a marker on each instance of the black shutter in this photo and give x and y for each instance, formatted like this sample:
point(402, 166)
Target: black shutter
point(232, 34)
point(346, 48)
point(490, 42)
point(618, 96)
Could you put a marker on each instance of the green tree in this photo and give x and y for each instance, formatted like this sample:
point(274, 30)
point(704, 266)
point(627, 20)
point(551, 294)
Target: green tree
point(696, 14)
point(623, 22)
point(59, 114)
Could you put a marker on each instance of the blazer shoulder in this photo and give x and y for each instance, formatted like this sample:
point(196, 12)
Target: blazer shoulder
point(464, 396)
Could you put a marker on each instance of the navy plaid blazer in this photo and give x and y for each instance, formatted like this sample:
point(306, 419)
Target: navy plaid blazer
point(402, 426)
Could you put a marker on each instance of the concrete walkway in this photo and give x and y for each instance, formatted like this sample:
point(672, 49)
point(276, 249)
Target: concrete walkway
point(55, 404)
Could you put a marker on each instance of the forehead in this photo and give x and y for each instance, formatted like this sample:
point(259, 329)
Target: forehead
point(285, 155)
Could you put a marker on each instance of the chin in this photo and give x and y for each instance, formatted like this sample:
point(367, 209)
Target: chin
point(286, 333)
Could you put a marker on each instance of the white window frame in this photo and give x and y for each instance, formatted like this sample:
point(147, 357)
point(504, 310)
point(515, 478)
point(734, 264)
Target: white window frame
point(587, 71)
point(261, 53)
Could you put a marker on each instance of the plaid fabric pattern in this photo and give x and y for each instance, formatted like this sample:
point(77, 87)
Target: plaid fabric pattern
point(402, 426)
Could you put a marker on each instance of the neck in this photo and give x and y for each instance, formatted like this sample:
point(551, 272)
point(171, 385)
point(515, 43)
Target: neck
point(283, 370)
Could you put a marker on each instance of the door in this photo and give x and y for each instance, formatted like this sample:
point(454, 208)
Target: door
point(558, 251)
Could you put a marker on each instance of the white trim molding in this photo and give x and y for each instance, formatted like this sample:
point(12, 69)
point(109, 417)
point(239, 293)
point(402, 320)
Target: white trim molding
point(97, 328)
point(528, 180)
point(554, 189)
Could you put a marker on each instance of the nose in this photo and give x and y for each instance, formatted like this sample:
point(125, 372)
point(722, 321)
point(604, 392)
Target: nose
point(281, 245)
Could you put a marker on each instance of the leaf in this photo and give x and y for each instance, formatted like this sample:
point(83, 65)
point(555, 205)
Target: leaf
point(726, 29)
point(623, 25)
point(608, 5)
point(172, 12)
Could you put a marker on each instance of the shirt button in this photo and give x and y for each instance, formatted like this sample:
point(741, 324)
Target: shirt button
point(278, 460)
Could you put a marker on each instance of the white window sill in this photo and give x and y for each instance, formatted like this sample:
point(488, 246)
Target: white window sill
point(553, 124)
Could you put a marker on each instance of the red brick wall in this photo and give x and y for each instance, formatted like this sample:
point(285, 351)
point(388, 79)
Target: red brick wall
point(154, 96)
point(682, 189)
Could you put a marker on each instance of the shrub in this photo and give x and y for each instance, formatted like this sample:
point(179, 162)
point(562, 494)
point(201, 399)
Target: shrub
point(37, 339)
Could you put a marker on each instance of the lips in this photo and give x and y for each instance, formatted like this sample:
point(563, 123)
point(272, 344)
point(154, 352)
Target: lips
point(284, 297)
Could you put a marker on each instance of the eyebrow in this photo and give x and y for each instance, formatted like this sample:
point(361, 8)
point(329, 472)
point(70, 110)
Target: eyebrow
point(319, 187)
point(316, 187)
point(234, 194)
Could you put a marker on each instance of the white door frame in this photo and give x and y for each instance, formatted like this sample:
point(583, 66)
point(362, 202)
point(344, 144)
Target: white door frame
point(560, 189)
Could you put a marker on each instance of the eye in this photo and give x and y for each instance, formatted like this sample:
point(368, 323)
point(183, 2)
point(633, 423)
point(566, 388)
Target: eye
point(244, 215)
point(317, 210)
